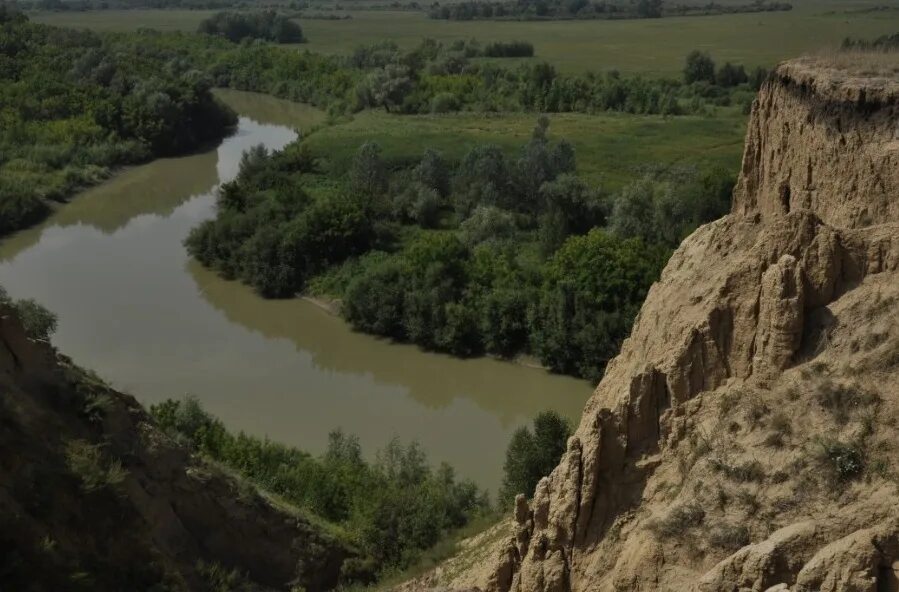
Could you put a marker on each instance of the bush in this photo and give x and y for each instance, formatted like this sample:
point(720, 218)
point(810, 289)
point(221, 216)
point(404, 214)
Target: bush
point(845, 461)
point(38, 322)
point(842, 400)
point(678, 521)
point(729, 537)
point(444, 103)
point(87, 462)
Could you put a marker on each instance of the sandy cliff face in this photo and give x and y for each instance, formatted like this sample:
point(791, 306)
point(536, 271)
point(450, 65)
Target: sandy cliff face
point(70, 519)
point(745, 438)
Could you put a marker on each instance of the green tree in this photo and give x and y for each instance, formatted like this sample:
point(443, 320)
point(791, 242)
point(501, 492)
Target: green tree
point(532, 455)
point(368, 172)
point(699, 67)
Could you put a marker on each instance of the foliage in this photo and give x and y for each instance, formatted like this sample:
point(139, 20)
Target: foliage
point(593, 287)
point(583, 9)
point(679, 520)
point(38, 322)
point(73, 105)
point(495, 253)
point(666, 208)
point(264, 24)
point(87, 462)
point(394, 508)
point(844, 460)
point(531, 455)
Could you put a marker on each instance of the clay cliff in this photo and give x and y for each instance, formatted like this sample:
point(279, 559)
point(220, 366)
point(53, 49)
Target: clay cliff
point(745, 437)
point(93, 496)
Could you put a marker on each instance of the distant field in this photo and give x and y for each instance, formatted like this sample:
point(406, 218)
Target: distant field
point(610, 147)
point(655, 46)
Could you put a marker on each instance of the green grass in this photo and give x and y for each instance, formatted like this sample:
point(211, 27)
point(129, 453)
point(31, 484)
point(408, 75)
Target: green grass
point(655, 46)
point(610, 147)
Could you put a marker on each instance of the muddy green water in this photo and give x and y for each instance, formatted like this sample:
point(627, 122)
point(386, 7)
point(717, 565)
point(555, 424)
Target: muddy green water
point(133, 307)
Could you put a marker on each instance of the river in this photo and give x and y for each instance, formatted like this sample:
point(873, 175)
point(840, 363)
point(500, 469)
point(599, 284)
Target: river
point(133, 307)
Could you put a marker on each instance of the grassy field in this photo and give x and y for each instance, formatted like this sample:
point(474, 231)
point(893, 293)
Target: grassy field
point(656, 46)
point(611, 148)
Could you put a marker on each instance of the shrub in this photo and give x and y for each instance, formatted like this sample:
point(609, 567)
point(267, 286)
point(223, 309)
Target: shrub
point(845, 460)
point(87, 462)
point(729, 537)
point(444, 103)
point(38, 322)
point(842, 400)
point(679, 520)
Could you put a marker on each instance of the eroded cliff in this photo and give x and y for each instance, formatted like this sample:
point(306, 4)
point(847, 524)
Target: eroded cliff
point(745, 437)
point(93, 496)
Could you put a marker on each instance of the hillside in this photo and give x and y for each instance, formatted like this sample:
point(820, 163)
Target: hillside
point(93, 496)
point(745, 437)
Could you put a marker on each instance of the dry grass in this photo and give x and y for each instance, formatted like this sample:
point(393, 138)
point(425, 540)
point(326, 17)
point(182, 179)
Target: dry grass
point(856, 63)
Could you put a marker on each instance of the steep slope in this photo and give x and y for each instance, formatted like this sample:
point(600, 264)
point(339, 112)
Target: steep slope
point(94, 497)
point(745, 437)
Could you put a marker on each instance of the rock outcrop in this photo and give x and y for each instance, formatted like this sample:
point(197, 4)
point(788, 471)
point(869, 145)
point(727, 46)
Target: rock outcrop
point(744, 438)
point(93, 496)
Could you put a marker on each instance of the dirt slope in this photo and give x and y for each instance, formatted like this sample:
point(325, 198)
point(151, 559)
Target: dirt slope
point(94, 497)
point(745, 437)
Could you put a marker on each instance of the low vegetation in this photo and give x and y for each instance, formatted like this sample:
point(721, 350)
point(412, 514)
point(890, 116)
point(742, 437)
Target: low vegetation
point(393, 509)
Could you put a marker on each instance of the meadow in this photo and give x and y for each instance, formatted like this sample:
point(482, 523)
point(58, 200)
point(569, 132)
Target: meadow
point(651, 46)
point(612, 148)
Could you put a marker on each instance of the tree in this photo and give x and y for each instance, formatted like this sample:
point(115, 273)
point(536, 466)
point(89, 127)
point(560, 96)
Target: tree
point(368, 172)
point(531, 456)
point(388, 86)
point(731, 75)
point(699, 67)
point(632, 211)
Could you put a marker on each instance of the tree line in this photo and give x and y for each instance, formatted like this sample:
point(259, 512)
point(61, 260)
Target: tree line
point(497, 253)
point(267, 25)
point(74, 105)
point(585, 9)
point(431, 78)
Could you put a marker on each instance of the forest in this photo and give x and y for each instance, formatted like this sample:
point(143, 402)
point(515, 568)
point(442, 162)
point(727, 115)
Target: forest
point(498, 254)
point(76, 105)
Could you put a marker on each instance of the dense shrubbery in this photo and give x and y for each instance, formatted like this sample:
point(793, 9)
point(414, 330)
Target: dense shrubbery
point(265, 24)
point(586, 9)
point(392, 508)
point(532, 455)
point(75, 104)
point(498, 253)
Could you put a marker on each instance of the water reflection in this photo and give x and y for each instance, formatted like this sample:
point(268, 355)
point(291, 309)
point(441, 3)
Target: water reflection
point(134, 307)
point(506, 390)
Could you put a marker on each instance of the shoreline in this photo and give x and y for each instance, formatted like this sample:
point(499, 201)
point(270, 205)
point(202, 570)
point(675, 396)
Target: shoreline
point(332, 307)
